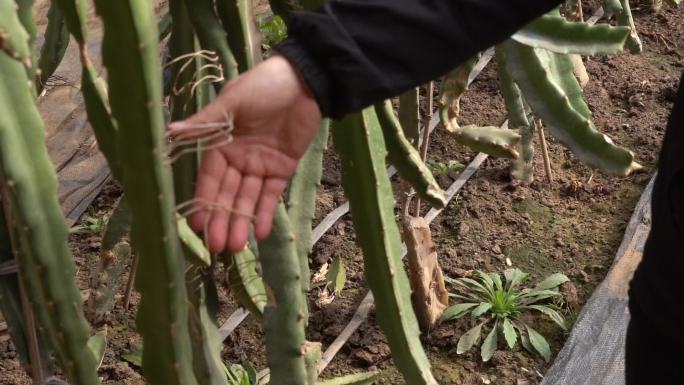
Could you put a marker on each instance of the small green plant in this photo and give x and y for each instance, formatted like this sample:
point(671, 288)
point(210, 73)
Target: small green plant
point(487, 297)
point(273, 30)
point(245, 374)
point(90, 224)
point(445, 169)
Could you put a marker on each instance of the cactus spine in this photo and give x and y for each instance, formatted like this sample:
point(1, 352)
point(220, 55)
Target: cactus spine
point(131, 56)
point(406, 158)
point(358, 140)
point(39, 234)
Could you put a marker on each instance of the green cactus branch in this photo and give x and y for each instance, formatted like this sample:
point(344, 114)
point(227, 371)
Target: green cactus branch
point(245, 282)
point(75, 14)
point(130, 54)
point(409, 115)
point(454, 85)
point(561, 72)
point(243, 35)
point(495, 141)
point(515, 105)
point(359, 142)
point(114, 256)
point(25, 13)
point(301, 197)
point(194, 247)
point(211, 34)
point(14, 39)
point(523, 167)
point(625, 18)
point(612, 7)
point(182, 102)
point(37, 226)
point(55, 45)
point(406, 158)
point(549, 101)
point(559, 35)
point(284, 314)
point(204, 333)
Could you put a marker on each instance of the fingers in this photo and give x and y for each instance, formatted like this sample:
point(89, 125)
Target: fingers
point(270, 197)
point(217, 229)
point(245, 202)
point(212, 171)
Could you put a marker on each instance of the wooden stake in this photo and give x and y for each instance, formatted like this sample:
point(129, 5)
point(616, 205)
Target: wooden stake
point(129, 284)
point(36, 364)
point(545, 150)
point(426, 137)
point(35, 361)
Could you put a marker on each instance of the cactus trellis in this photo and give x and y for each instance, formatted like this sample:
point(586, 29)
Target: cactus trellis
point(211, 42)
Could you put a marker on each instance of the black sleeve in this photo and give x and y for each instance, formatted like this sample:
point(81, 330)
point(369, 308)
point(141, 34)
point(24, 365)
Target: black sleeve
point(352, 53)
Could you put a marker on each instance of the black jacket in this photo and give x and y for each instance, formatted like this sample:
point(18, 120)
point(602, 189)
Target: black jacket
point(353, 53)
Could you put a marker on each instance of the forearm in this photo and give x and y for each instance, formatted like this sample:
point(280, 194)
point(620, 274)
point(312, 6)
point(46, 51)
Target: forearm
point(352, 53)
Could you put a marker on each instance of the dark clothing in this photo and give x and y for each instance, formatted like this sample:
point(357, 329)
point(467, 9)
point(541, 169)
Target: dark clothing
point(652, 356)
point(656, 287)
point(354, 53)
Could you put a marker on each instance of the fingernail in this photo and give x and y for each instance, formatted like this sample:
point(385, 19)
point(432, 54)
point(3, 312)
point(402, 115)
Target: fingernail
point(176, 125)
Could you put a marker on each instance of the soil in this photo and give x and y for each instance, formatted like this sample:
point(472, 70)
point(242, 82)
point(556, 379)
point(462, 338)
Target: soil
point(572, 225)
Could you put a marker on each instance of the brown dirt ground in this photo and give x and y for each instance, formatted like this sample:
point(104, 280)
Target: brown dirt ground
point(572, 225)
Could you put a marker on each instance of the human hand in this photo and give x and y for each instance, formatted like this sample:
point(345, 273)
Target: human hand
point(275, 120)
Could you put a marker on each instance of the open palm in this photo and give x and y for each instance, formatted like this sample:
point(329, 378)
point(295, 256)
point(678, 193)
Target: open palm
point(275, 120)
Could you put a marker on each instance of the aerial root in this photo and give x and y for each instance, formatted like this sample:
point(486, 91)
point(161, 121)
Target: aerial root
point(193, 138)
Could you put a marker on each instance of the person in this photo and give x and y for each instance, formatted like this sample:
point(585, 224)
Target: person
point(349, 54)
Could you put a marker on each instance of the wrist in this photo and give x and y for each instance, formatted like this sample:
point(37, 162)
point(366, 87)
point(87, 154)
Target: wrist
point(311, 75)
